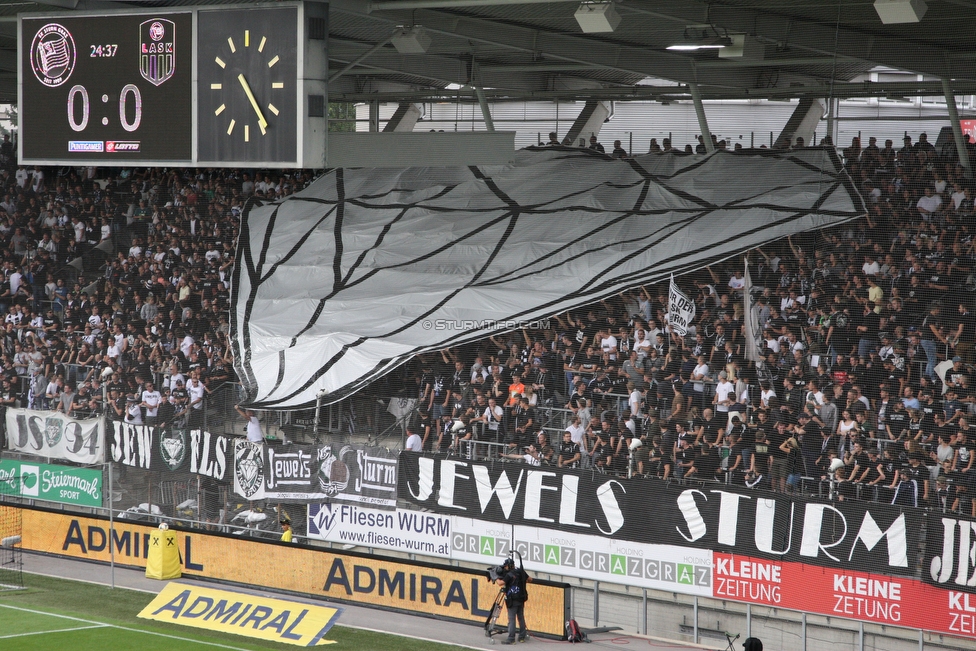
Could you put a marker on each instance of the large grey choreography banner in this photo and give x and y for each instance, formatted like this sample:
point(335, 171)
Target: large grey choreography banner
point(341, 283)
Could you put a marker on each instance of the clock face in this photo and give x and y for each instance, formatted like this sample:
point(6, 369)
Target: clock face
point(247, 90)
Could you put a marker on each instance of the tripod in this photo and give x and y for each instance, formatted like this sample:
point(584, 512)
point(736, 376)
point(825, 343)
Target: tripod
point(728, 636)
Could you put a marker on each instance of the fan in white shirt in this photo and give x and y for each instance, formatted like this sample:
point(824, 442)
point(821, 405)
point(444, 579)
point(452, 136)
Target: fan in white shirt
point(150, 400)
point(724, 393)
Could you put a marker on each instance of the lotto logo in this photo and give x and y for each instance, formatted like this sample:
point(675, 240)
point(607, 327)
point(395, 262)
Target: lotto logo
point(121, 145)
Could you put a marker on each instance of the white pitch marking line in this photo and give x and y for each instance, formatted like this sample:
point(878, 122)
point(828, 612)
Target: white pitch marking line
point(60, 630)
point(268, 594)
point(123, 628)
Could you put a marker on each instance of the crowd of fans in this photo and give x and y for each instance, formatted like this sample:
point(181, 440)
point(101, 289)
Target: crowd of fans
point(142, 334)
point(865, 336)
point(863, 390)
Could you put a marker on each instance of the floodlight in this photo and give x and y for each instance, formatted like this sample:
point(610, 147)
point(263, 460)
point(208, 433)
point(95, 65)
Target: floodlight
point(597, 17)
point(700, 38)
point(411, 40)
point(896, 12)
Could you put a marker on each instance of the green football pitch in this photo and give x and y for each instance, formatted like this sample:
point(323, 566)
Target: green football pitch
point(59, 614)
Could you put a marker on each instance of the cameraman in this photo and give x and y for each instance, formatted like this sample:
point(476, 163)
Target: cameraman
point(513, 582)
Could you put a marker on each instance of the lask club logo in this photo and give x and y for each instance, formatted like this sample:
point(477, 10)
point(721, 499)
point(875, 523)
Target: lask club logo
point(157, 50)
point(248, 467)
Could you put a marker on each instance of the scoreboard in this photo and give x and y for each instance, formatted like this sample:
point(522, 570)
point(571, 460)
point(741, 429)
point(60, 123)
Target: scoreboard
point(214, 86)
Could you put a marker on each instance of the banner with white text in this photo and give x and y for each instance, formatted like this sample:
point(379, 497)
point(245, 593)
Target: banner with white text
point(171, 450)
point(52, 434)
point(314, 473)
point(578, 503)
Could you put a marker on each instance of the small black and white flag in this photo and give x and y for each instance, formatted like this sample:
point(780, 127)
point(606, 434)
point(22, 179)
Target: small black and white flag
point(681, 309)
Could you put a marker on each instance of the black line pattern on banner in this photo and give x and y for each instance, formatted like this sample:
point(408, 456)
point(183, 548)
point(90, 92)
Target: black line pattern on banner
point(512, 217)
point(511, 211)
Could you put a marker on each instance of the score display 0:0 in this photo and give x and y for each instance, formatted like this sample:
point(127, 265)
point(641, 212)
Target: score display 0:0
point(86, 107)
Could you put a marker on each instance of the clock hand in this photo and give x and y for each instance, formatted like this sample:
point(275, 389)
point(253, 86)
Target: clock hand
point(254, 103)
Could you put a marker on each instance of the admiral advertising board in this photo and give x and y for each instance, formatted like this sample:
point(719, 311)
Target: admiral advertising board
point(54, 435)
point(240, 613)
point(430, 589)
point(304, 473)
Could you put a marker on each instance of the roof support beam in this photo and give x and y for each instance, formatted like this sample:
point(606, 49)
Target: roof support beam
point(362, 57)
point(860, 45)
point(394, 5)
point(702, 120)
point(645, 93)
point(566, 48)
point(961, 149)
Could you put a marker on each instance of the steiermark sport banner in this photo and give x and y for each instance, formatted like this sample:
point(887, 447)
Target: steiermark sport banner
point(42, 481)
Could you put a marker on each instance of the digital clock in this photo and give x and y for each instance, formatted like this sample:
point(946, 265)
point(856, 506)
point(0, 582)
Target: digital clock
point(108, 88)
point(104, 50)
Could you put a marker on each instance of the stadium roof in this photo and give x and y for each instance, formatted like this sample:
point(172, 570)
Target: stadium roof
point(531, 49)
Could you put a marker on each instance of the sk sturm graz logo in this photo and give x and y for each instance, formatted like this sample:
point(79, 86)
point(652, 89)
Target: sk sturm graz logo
point(53, 428)
point(157, 50)
point(249, 465)
point(53, 55)
point(333, 473)
point(321, 519)
point(172, 447)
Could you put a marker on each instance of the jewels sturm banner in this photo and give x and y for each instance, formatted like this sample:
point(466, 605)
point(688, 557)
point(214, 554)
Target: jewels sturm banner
point(54, 435)
point(306, 473)
point(846, 535)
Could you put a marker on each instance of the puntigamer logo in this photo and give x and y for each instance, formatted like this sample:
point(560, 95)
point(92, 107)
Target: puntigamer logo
point(86, 145)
